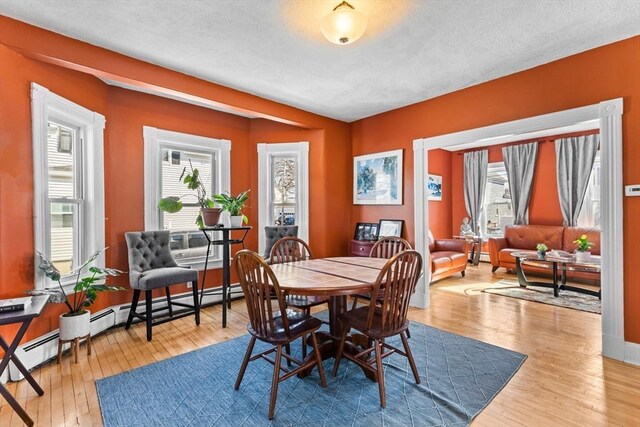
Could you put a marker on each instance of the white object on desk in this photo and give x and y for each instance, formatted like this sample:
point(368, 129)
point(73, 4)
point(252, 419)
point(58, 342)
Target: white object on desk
point(632, 190)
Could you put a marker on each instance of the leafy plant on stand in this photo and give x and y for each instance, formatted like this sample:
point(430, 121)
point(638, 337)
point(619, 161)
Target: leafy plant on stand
point(86, 288)
point(233, 205)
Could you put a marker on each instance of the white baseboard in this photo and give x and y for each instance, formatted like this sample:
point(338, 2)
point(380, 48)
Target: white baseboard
point(45, 347)
point(632, 353)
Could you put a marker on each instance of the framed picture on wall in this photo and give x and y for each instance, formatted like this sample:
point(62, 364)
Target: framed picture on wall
point(390, 227)
point(434, 187)
point(377, 178)
point(366, 231)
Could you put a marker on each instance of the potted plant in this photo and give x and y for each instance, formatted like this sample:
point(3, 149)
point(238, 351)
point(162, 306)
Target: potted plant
point(75, 322)
point(209, 214)
point(542, 250)
point(582, 249)
point(234, 206)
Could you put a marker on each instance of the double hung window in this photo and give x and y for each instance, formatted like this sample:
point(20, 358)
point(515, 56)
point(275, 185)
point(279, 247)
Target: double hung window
point(167, 154)
point(68, 182)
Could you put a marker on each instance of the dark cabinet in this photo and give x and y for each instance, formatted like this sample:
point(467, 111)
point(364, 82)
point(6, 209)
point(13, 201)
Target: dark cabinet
point(361, 247)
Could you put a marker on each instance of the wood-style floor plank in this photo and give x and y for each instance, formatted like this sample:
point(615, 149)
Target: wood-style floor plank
point(564, 381)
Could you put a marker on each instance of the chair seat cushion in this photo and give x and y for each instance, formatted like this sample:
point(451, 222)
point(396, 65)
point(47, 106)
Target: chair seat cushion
point(505, 255)
point(357, 319)
point(302, 301)
point(300, 324)
point(440, 262)
point(162, 277)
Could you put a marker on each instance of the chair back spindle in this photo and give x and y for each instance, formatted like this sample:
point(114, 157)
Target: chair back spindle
point(289, 249)
point(389, 246)
point(394, 287)
point(257, 281)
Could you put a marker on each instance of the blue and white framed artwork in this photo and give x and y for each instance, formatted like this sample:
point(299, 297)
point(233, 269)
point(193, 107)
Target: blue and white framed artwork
point(377, 178)
point(434, 187)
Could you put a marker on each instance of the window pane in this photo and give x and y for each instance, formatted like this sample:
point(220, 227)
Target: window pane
point(284, 179)
point(64, 236)
point(188, 244)
point(497, 201)
point(60, 145)
point(284, 189)
point(174, 162)
point(590, 213)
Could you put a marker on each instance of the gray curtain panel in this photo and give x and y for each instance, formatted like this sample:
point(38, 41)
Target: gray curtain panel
point(574, 159)
point(475, 181)
point(520, 163)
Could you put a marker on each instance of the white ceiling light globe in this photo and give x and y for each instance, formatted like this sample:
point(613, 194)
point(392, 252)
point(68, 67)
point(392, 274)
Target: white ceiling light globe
point(344, 25)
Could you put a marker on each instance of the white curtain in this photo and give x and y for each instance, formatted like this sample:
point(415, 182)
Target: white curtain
point(520, 163)
point(475, 181)
point(574, 159)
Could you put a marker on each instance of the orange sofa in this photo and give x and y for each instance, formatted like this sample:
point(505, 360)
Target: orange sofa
point(526, 237)
point(448, 257)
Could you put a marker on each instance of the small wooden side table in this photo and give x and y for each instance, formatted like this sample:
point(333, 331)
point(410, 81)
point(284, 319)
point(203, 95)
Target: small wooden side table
point(361, 247)
point(476, 246)
point(25, 317)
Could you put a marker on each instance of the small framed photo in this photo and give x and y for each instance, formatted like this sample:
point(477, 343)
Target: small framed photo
point(366, 231)
point(434, 187)
point(390, 227)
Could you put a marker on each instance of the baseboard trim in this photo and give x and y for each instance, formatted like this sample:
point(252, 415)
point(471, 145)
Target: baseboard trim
point(45, 347)
point(632, 353)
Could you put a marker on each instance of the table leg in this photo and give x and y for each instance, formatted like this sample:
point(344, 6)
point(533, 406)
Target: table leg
point(476, 254)
point(226, 276)
point(555, 279)
point(9, 351)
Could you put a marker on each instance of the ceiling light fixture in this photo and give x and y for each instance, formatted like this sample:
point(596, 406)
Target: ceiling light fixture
point(344, 25)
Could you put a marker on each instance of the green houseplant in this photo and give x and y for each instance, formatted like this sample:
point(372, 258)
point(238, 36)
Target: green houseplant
point(542, 249)
point(209, 214)
point(75, 322)
point(582, 248)
point(234, 206)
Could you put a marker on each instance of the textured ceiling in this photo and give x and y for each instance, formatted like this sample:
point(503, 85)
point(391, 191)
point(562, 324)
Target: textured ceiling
point(412, 50)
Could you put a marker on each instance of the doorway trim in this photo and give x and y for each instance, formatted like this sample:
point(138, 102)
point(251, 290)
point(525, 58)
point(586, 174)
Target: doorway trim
point(609, 115)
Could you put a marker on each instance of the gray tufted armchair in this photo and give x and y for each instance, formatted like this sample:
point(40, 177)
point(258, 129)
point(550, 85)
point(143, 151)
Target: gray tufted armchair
point(151, 266)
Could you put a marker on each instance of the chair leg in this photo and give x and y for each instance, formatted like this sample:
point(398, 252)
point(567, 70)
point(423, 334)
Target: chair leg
point(169, 306)
point(287, 349)
point(134, 307)
point(149, 318)
point(275, 382)
point(494, 268)
point(196, 303)
point(316, 350)
point(355, 303)
point(407, 350)
point(380, 373)
point(343, 338)
point(408, 333)
point(245, 362)
point(304, 337)
point(463, 273)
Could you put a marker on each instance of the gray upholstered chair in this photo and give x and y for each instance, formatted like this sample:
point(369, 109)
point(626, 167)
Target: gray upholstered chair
point(275, 233)
point(151, 266)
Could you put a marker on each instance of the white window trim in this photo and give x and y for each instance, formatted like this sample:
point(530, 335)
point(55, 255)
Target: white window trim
point(44, 105)
point(157, 139)
point(300, 150)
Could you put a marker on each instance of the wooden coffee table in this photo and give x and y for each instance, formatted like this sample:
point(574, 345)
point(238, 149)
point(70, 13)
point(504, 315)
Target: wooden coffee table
point(559, 267)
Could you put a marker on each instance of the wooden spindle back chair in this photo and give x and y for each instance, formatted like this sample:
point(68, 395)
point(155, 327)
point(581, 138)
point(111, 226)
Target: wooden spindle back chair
point(277, 326)
point(384, 318)
point(289, 249)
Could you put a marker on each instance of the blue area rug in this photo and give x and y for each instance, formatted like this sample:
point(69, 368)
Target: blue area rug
point(460, 376)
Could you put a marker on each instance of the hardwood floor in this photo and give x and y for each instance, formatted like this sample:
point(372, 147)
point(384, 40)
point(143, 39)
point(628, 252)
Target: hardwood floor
point(564, 381)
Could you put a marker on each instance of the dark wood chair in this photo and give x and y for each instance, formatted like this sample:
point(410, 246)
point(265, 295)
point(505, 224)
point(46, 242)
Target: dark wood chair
point(277, 326)
point(398, 279)
point(386, 247)
point(290, 249)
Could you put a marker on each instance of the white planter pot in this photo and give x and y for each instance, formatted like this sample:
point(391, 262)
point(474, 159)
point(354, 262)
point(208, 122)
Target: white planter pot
point(72, 327)
point(236, 220)
point(583, 256)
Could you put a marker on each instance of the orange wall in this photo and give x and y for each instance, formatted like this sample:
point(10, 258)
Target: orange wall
point(590, 77)
point(22, 61)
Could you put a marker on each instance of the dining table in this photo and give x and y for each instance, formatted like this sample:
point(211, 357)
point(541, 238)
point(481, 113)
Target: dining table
point(336, 278)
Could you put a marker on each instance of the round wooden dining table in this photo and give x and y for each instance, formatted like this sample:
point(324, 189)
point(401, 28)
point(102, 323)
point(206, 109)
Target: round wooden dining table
point(336, 278)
